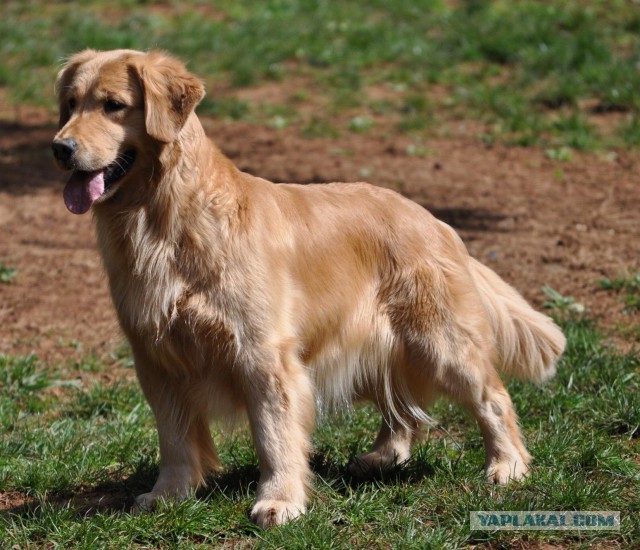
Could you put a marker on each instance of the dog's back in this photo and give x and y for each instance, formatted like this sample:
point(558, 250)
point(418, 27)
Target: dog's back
point(242, 295)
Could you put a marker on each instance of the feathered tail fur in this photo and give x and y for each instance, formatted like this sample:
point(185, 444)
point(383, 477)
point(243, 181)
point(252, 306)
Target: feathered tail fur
point(528, 342)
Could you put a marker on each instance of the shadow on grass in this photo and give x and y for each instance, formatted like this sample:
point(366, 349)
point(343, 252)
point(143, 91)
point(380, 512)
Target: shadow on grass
point(116, 496)
point(112, 496)
point(342, 480)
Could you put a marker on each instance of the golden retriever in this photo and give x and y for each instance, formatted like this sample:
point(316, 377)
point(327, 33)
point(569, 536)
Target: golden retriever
point(243, 296)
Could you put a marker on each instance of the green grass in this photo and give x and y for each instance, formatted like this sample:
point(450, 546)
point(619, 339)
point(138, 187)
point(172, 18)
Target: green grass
point(7, 274)
point(78, 454)
point(626, 285)
point(535, 73)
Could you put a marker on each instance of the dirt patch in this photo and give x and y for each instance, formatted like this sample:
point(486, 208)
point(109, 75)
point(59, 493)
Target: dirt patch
point(14, 500)
point(533, 220)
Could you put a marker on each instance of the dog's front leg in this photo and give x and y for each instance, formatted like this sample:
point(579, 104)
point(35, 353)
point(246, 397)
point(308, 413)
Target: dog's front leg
point(187, 451)
point(281, 410)
point(187, 454)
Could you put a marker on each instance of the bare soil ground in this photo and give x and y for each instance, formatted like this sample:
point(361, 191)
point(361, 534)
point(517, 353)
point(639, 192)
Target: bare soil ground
point(533, 220)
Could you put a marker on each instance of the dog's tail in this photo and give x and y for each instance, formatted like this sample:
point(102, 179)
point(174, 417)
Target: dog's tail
point(528, 343)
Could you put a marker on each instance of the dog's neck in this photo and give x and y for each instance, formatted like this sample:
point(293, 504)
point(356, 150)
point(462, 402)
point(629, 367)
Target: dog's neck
point(192, 194)
point(193, 176)
point(178, 183)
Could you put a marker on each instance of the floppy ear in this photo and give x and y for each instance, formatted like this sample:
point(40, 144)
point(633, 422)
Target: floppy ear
point(171, 93)
point(64, 79)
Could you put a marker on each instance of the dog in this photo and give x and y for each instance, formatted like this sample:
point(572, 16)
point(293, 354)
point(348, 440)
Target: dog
point(244, 297)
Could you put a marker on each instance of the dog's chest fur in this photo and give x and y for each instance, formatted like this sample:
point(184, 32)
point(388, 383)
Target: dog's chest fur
point(168, 299)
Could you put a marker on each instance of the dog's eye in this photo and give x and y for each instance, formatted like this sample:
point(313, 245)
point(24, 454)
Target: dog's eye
point(72, 103)
point(112, 106)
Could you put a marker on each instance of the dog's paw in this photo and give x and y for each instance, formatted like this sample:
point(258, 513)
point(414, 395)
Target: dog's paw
point(501, 472)
point(143, 503)
point(267, 513)
point(374, 464)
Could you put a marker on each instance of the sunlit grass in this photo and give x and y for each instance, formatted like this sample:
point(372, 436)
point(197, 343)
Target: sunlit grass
point(78, 456)
point(525, 69)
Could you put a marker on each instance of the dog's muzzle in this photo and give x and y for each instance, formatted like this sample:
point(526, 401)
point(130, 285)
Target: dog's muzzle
point(64, 150)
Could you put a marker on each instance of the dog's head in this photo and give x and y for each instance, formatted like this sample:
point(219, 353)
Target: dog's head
point(117, 110)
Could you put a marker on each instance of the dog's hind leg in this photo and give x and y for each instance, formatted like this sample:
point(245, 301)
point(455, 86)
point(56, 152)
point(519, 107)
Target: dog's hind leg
point(391, 447)
point(448, 331)
point(482, 391)
point(506, 456)
point(281, 408)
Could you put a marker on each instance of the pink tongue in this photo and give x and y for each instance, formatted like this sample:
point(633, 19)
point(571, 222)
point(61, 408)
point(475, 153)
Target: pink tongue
point(82, 189)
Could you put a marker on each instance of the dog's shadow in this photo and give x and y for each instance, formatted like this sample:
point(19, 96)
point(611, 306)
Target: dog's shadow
point(117, 496)
point(240, 480)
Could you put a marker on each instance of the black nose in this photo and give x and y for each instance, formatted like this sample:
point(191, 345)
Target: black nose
point(63, 150)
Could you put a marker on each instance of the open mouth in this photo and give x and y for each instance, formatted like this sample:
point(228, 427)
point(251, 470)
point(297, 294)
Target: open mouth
point(84, 188)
